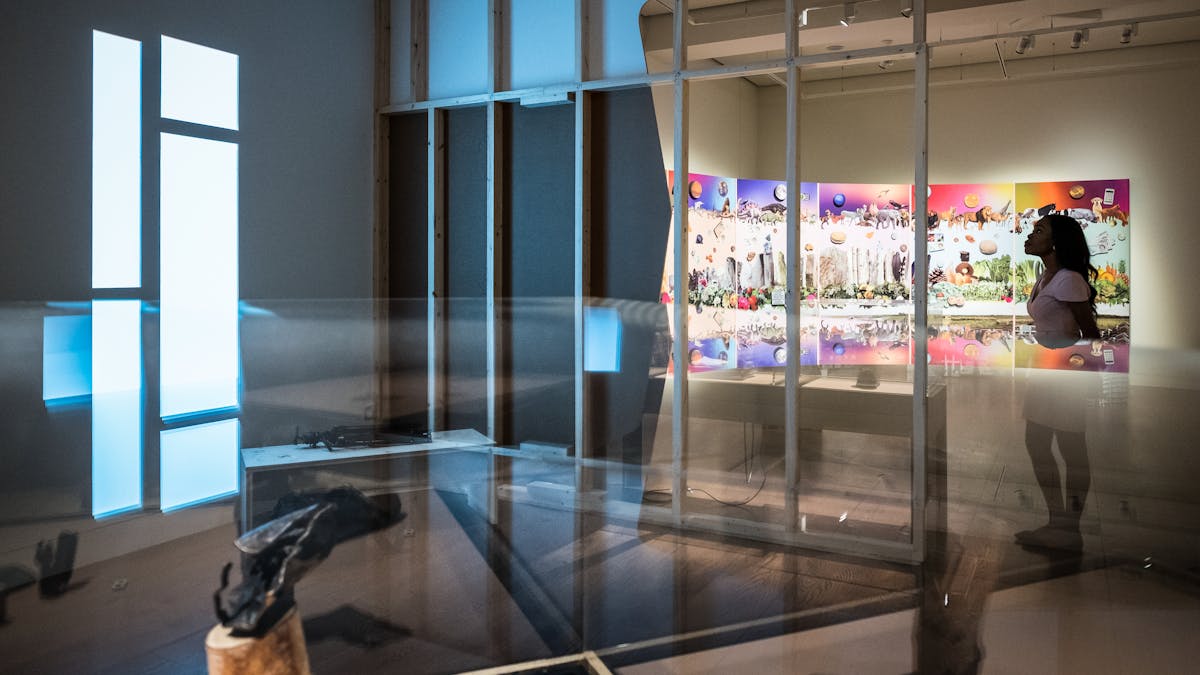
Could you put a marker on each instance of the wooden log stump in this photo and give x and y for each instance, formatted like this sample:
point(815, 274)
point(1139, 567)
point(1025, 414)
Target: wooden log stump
point(281, 651)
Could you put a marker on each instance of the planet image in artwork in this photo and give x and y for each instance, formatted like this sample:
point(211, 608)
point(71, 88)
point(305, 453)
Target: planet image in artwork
point(839, 200)
point(1076, 192)
point(839, 348)
point(1076, 360)
point(699, 239)
point(780, 192)
point(695, 190)
point(971, 200)
point(780, 355)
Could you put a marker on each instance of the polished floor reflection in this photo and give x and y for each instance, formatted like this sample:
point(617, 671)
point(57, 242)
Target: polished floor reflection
point(446, 591)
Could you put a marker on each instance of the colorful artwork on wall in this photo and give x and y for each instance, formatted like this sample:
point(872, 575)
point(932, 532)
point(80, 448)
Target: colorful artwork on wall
point(856, 271)
point(1102, 209)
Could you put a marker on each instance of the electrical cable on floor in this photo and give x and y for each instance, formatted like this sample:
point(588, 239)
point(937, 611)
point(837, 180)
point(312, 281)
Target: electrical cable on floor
point(761, 484)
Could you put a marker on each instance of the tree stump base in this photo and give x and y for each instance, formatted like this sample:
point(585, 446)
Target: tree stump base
point(281, 651)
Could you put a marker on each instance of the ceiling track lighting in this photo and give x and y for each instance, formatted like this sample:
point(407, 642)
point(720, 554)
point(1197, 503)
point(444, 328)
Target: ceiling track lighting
point(886, 64)
point(1079, 37)
point(848, 14)
point(803, 18)
point(1128, 32)
point(906, 9)
point(1025, 43)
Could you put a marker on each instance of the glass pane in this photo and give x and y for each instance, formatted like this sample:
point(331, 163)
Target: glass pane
point(199, 84)
point(199, 277)
point(116, 161)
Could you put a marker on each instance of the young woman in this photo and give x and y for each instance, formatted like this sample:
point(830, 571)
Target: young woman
point(1062, 305)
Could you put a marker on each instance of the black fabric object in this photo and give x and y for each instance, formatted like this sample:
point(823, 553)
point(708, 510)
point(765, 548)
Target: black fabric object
point(302, 532)
point(56, 563)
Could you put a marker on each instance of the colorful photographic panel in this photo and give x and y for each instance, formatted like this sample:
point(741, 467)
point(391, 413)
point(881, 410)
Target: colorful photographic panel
point(864, 245)
point(971, 247)
point(864, 340)
point(1110, 354)
point(711, 342)
point(979, 341)
point(1102, 209)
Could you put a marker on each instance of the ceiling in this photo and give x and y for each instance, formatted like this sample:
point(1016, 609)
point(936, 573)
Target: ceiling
point(739, 32)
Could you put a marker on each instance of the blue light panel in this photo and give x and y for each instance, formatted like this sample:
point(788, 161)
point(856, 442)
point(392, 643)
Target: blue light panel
point(199, 84)
point(199, 463)
point(66, 358)
point(199, 275)
point(116, 161)
point(602, 340)
point(116, 406)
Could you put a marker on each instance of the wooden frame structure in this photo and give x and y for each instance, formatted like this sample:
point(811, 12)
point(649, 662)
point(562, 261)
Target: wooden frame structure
point(495, 100)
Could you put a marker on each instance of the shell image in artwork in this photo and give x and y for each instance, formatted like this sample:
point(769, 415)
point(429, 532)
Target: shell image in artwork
point(971, 200)
point(838, 237)
point(1076, 192)
point(694, 189)
point(988, 247)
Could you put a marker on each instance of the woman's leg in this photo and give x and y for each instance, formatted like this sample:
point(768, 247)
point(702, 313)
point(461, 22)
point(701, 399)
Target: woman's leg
point(1045, 468)
point(1073, 448)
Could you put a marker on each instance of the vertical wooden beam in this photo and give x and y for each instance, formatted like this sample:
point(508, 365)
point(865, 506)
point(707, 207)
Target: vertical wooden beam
point(920, 291)
point(419, 44)
point(583, 236)
point(794, 252)
point(679, 405)
point(436, 261)
point(495, 287)
point(495, 51)
point(381, 151)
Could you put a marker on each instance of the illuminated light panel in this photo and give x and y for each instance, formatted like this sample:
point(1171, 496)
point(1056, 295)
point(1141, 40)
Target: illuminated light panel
point(116, 161)
point(198, 463)
point(602, 340)
point(116, 406)
point(199, 84)
point(199, 275)
point(66, 358)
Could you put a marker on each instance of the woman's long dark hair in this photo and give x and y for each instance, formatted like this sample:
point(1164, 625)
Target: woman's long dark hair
point(1071, 250)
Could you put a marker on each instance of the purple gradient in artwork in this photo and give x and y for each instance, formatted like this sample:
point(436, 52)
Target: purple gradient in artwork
point(863, 195)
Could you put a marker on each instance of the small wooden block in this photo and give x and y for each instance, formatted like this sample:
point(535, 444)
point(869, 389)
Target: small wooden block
point(281, 651)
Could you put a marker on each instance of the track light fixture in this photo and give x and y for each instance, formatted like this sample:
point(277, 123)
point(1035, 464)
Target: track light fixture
point(1128, 32)
point(1078, 38)
point(886, 64)
point(803, 18)
point(848, 14)
point(906, 9)
point(1025, 43)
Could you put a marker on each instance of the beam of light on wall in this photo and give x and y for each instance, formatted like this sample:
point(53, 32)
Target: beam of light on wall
point(602, 340)
point(199, 463)
point(116, 161)
point(66, 358)
point(199, 84)
point(199, 276)
point(116, 406)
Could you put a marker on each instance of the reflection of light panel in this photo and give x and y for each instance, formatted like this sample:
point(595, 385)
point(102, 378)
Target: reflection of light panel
point(66, 358)
point(116, 161)
point(199, 275)
point(602, 340)
point(199, 463)
point(116, 406)
point(199, 84)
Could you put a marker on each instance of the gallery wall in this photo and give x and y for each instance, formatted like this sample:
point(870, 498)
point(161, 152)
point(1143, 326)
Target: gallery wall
point(1131, 123)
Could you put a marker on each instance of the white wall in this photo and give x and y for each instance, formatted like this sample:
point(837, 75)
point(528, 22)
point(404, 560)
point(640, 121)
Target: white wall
point(724, 127)
point(1136, 123)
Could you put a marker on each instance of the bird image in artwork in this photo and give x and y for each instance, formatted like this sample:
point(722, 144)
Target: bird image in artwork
point(883, 193)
